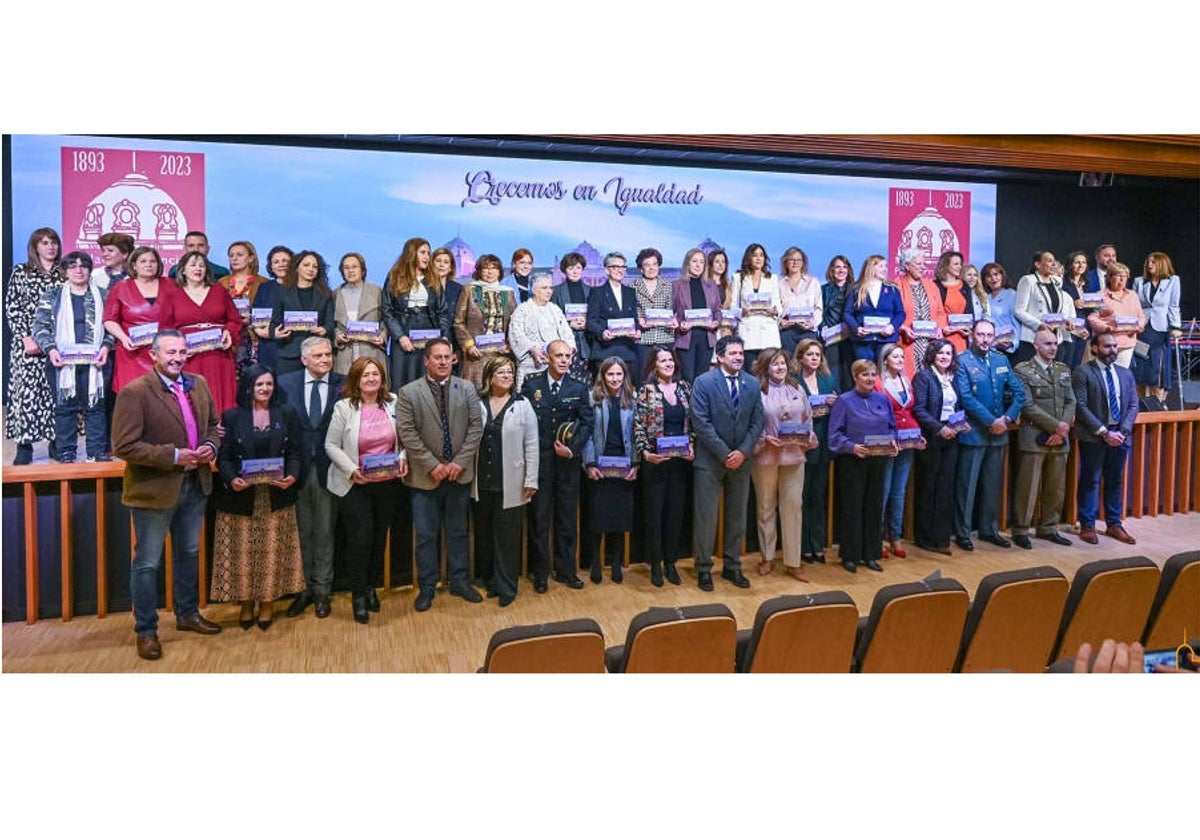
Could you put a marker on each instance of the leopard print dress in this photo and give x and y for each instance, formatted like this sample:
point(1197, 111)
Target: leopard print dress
point(30, 408)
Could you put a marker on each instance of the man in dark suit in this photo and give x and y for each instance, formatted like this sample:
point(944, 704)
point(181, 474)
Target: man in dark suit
point(440, 423)
point(165, 429)
point(727, 418)
point(312, 393)
point(1106, 405)
point(610, 301)
point(557, 399)
point(1105, 254)
point(1043, 441)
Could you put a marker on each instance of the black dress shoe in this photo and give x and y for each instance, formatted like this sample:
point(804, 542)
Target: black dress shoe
point(299, 604)
point(361, 614)
point(618, 574)
point(372, 600)
point(25, 456)
point(673, 574)
point(324, 607)
point(819, 558)
point(263, 625)
point(656, 576)
point(1022, 541)
point(996, 540)
point(807, 558)
point(964, 544)
point(1056, 538)
point(736, 578)
point(850, 566)
point(572, 581)
point(424, 600)
point(245, 623)
point(506, 600)
point(540, 587)
point(470, 595)
point(706, 582)
point(596, 574)
point(873, 565)
point(492, 593)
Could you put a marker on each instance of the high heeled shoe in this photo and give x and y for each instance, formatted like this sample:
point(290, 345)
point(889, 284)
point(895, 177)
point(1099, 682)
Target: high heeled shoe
point(264, 623)
point(897, 551)
point(618, 575)
point(656, 575)
point(372, 600)
point(596, 573)
point(361, 614)
point(673, 573)
point(246, 616)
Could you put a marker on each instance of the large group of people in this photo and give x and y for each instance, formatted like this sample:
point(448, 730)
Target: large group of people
point(506, 393)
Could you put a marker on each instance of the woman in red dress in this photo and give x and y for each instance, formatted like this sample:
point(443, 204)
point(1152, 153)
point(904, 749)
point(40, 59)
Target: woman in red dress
point(143, 298)
point(206, 306)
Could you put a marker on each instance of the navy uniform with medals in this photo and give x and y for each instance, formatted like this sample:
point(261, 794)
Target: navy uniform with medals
point(1042, 469)
point(557, 403)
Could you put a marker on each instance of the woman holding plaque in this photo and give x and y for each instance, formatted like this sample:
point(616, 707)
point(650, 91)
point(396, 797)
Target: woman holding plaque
point(136, 308)
point(937, 402)
point(262, 305)
point(358, 327)
point(1121, 313)
point(800, 298)
point(571, 296)
point(611, 464)
point(821, 388)
point(699, 295)
point(954, 293)
point(304, 308)
point(506, 474)
point(536, 323)
point(242, 283)
point(1158, 291)
point(1075, 284)
point(755, 296)
point(862, 432)
point(256, 546)
point(777, 468)
point(414, 310)
point(662, 439)
point(995, 303)
point(209, 321)
point(873, 312)
point(1041, 300)
point(718, 272)
point(835, 294)
point(897, 387)
point(366, 464)
point(656, 317)
point(481, 318)
point(924, 317)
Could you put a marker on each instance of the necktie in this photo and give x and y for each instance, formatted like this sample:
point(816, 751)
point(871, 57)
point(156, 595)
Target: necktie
point(1114, 407)
point(189, 419)
point(733, 391)
point(314, 403)
point(554, 389)
point(446, 449)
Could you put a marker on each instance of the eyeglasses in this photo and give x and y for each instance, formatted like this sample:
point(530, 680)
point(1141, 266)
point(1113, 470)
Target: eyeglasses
point(617, 267)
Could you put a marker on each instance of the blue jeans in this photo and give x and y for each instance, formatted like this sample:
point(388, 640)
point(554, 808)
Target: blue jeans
point(150, 526)
point(1098, 460)
point(66, 417)
point(979, 468)
point(895, 485)
point(444, 506)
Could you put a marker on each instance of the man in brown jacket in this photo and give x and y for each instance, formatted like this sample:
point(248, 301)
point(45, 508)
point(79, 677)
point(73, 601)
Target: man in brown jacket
point(165, 429)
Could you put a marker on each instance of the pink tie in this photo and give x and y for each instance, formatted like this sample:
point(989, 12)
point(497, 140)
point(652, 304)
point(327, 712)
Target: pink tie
point(189, 419)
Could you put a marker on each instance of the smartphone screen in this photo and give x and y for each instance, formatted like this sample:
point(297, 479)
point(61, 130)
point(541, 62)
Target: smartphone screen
point(1159, 657)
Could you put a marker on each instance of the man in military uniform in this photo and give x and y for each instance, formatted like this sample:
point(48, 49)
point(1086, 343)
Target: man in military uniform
point(1043, 441)
point(992, 397)
point(557, 400)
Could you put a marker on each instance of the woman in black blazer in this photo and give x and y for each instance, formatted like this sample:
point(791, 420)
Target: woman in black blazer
point(936, 398)
point(305, 288)
point(256, 547)
point(821, 386)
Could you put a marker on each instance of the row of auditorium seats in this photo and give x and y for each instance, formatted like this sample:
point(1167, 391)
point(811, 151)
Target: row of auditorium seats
point(1020, 621)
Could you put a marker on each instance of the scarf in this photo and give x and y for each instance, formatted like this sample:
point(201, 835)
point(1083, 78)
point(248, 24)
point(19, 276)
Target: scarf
point(64, 336)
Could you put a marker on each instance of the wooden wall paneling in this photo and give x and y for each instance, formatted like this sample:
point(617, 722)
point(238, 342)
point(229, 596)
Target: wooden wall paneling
point(1170, 436)
point(31, 557)
point(101, 552)
point(1135, 472)
point(1155, 472)
point(65, 549)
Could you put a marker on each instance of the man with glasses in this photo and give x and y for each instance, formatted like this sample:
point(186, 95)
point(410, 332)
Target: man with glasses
point(614, 301)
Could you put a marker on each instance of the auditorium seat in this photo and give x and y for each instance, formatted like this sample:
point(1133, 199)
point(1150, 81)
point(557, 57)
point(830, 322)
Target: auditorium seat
point(1109, 599)
point(1175, 612)
point(912, 628)
point(1013, 621)
point(560, 647)
point(800, 634)
point(699, 639)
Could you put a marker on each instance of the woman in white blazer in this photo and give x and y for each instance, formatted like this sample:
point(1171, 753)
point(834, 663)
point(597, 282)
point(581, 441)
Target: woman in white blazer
point(366, 465)
point(1158, 291)
point(759, 327)
point(1040, 293)
point(506, 476)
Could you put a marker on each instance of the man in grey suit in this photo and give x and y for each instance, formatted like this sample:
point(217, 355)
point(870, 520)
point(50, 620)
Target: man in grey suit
point(727, 418)
point(1106, 405)
point(1043, 440)
point(440, 424)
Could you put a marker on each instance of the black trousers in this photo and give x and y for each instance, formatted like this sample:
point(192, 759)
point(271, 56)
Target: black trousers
point(662, 507)
point(366, 511)
point(933, 507)
point(696, 358)
point(555, 505)
point(497, 543)
point(813, 511)
point(860, 507)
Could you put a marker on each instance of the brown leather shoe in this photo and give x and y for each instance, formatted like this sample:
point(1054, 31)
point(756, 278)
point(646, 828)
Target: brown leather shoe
point(1088, 535)
point(148, 647)
point(1120, 535)
point(798, 574)
point(197, 624)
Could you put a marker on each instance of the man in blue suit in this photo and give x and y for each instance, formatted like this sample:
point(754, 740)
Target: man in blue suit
point(727, 418)
point(311, 393)
point(1106, 405)
point(992, 396)
point(1105, 254)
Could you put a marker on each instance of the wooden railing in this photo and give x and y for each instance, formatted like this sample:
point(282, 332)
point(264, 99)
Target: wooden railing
point(1163, 478)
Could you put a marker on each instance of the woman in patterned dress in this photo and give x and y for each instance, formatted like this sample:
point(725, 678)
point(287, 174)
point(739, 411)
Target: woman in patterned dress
point(29, 417)
point(484, 307)
point(922, 302)
point(256, 546)
point(652, 292)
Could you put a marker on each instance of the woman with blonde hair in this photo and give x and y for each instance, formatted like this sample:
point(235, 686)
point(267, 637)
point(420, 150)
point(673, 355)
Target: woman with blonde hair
point(872, 297)
point(800, 298)
point(1158, 291)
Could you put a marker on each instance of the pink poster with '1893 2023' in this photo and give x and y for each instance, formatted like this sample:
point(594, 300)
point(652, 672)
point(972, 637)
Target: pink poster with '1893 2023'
point(155, 197)
point(930, 221)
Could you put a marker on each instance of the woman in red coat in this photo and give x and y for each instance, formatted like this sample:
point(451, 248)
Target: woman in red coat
point(136, 308)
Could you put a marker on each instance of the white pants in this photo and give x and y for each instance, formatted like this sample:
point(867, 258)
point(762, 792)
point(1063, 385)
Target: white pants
point(782, 487)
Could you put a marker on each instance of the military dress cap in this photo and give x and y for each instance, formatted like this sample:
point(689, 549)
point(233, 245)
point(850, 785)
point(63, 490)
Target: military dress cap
point(566, 432)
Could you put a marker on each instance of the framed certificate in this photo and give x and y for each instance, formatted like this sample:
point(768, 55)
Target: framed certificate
point(143, 334)
point(821, 404)
point(958, 422)
point(794, 433)
point(833, 334)
point(758, 302)
point(203, 340)
point(262, 470)
point(908, 438)
point(384, 465)
point(78, 354)
point(959, 321)
point(699, 317)
point(300, 319)
point(879, 444)
point(622, 327)
point(261, 318)
point(875, 324)
point(658, 317)
point(925, 329)
point(575, 310)
point(675, 446)
point(486, 343)
point(613, 466)
point(419, 338)
point(362, 330)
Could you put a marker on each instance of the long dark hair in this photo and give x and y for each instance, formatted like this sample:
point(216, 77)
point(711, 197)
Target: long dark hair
point(245, 390)
point(320, 282)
